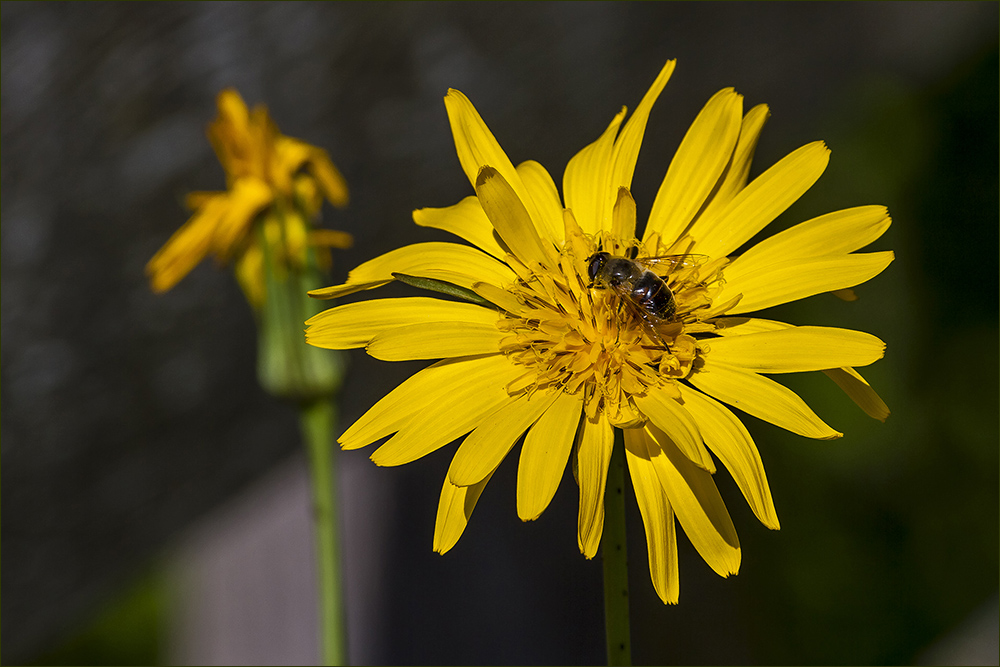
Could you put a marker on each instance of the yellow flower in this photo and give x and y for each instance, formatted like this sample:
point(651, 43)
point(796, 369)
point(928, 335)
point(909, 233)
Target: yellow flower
point(269, 176)
point(561, 354)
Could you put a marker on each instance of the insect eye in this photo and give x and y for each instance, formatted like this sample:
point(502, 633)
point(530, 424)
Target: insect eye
point(597, 260)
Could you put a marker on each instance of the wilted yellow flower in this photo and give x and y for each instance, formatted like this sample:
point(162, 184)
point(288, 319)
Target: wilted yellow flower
point(565, 350)
point(280, 180)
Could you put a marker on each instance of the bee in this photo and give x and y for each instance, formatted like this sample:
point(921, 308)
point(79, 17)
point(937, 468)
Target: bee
point(642, 292)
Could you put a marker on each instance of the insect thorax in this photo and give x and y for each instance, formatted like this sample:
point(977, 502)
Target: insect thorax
point(622, 271)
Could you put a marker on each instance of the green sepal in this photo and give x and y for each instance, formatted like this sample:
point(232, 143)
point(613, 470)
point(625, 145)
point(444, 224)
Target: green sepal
point(287, 366)
point(444, 288)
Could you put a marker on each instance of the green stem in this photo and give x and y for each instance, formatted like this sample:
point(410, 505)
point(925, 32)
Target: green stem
point(317, 427)
point(615, 556)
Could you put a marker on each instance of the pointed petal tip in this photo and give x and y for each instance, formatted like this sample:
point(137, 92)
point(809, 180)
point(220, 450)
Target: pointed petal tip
point(463, 478)
point(323, 292)
point(350, 444)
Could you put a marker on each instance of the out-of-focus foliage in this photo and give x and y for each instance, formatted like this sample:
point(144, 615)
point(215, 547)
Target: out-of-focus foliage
point(127, 630)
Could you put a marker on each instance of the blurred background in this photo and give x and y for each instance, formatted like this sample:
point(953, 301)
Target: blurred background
point(154, 497)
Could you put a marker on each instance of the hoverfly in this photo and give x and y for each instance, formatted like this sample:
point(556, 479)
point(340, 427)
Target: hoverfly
point(642, 291)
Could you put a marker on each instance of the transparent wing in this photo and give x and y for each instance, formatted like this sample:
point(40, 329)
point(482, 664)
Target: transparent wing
point(646, 320)
point(665, 264)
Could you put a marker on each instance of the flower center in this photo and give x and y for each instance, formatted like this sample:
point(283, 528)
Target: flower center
point(588, 335)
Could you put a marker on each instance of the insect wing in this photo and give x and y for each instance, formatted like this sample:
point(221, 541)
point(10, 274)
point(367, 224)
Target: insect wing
point(638, 314)
point(665, 264)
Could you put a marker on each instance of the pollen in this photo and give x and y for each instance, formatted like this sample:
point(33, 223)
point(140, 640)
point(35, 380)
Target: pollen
point(580, 339)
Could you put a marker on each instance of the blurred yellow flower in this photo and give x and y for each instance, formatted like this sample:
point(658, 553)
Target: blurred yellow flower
point(270, 177)
point(567, 350)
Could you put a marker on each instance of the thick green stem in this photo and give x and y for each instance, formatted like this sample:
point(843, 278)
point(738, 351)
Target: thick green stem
point(615, 556)
point(317, 427)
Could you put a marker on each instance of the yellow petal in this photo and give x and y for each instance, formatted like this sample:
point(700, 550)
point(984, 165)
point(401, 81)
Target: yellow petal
point(484, 448)
point(337, 291)
point(477, 147)
point(797, 349)
point(198, 198)
point(187, 246)
point(451, 412)
point(355, 324)
point(498, 297)
point(693, 496)
point(657, 517)
point(455, 413)
point(435, 340)
point(726, 436)
point(587, 181)
point(290, 155)
point(699, 163)
point(233, 112)
point(465, 219)
point(623, 216)
point(247, 198)
point(330, 238)
point(307, 195)
point(249, 270)
point(594, 442)
point(761, 397)
point(433, 386)
point(230, 134)
point(672, 419)
point(454, 509)
point(626, 147)
point(764, 284)
point(544, 455)
point(510, 218)
point(542, 190)
point(232, 107)
point(331, 182)
point(859, 391)
point(735, 177)
point(761, 201)
point(741, 326)
point(835, 233)
point(846, 294)
point(416, 260)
